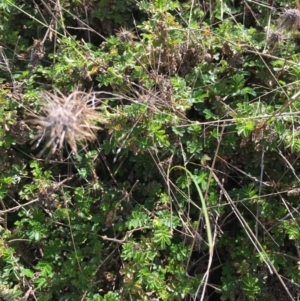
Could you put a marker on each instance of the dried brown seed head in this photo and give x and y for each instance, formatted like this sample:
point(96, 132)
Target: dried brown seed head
point(125, 35)
point(274, 37)
point(289, 20)
point(65, 120)
point(207, 57)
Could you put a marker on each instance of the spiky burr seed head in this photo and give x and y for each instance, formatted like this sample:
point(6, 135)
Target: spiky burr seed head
point(125, 35)
point(65, 120)
point(289, 20)
point(207, 57)
point(274, 37)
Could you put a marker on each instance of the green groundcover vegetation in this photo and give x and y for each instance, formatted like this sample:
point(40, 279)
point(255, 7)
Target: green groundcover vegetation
point(150, 150)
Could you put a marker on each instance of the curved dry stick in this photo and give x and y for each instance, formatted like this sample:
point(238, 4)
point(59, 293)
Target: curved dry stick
point(297, 4)
point(17, 207)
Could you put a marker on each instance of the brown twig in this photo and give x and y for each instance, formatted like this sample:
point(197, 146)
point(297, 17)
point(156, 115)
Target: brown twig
point(18, 207)
point(128, 233)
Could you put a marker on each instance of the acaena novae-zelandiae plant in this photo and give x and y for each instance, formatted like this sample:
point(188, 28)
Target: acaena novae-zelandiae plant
point(290, 19)
point(65, 120)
